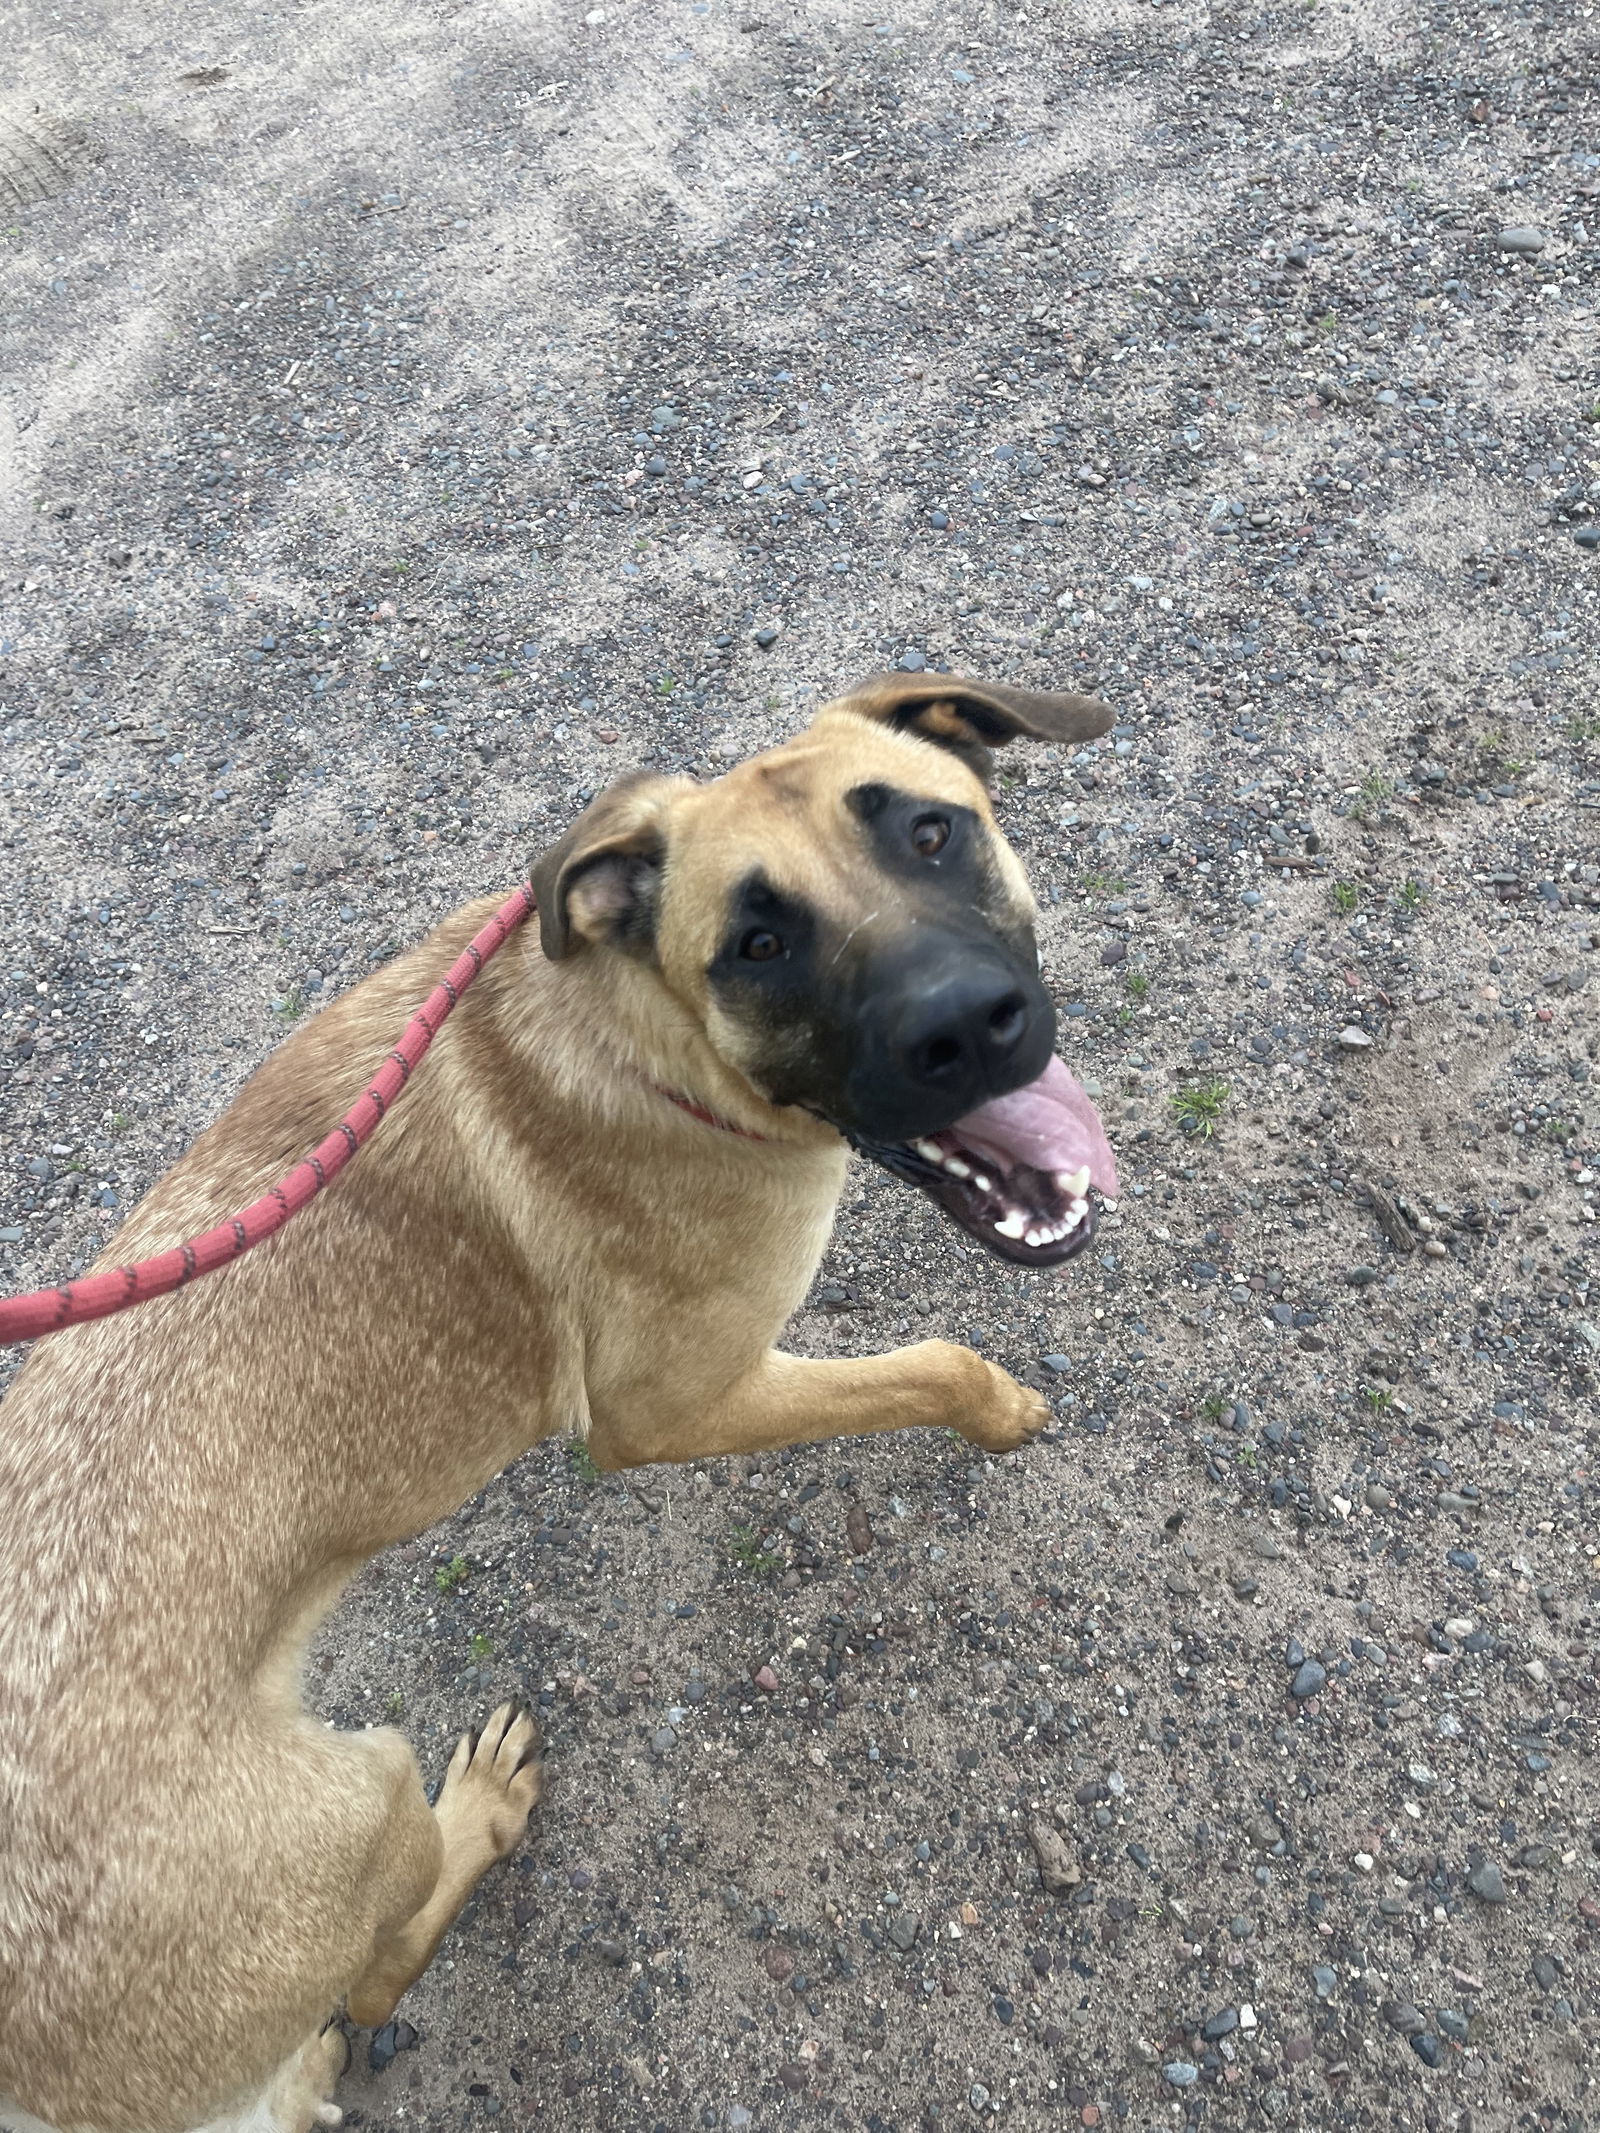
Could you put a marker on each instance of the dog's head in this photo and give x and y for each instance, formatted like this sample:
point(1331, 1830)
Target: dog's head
point(846, 922)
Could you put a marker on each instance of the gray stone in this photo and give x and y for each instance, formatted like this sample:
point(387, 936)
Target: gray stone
point(1402, 2016)
point(1487, 1882)
point(1522, 238)
point(1309, 1680)
point(1181, 2074)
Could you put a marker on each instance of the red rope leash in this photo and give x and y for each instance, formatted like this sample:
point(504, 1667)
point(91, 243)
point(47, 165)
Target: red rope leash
point(22, 1318)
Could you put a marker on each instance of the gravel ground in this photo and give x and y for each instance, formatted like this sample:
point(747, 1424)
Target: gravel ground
point(412, 416)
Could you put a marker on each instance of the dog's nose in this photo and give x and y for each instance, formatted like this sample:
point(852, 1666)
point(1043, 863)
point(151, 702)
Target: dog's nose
point(966, 1034)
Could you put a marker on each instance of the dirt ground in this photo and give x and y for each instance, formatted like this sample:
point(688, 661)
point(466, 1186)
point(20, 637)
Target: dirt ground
point(410, 417)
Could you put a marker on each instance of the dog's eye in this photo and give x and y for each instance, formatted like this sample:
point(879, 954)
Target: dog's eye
point(760, 946)
point(929, 834)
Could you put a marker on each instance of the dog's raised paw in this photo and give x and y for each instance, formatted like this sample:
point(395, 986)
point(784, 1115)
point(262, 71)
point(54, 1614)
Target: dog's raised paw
point(1011, 1416)
point(492, 1784)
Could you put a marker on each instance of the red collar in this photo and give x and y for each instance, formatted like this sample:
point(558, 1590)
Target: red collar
point(706, 1118)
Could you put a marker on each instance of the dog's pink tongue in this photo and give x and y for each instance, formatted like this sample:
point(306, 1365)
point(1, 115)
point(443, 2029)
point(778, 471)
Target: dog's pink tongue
point(1050, 1125)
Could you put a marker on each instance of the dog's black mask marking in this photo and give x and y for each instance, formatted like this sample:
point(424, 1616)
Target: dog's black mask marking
point(897, 1027)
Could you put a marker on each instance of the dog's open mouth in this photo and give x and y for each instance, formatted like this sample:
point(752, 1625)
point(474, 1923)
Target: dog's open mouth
point(1018, 1173)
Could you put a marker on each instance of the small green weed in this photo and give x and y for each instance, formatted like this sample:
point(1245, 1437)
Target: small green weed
point(745, 1549)
point(1410, 896)
point(1346, 897)
point(1580, 730)
point(1198, 1109)
point(1371, 793)
point(291, 1006)
point(1213, 1407)
point(1102, 885)
point(1138, 985)
point(449, 1576)
point(1378, 1397)
point(581, 1464)
point(481, 1647)
point(395, 1709)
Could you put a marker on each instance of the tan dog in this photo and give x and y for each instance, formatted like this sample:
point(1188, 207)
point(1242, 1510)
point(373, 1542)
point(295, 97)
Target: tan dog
point(598, 1203)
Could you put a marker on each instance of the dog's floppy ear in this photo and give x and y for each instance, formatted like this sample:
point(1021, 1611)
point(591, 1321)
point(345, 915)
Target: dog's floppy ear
point(974, 716)
point(601, 880)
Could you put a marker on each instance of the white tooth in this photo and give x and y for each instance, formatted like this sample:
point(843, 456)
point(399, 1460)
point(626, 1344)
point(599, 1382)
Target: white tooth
point(956, 1167)
point(1014, 1224)
point(1038, 1236)
point(1075, 1182)
point(983, 1184)
point(930, 1151)
point(1077, 1211)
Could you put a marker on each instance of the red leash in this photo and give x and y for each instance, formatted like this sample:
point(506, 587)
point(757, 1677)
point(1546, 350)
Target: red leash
point(22, 1318)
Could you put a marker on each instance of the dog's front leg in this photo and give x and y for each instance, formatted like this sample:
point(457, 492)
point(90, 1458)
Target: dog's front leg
point(786, 1399)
